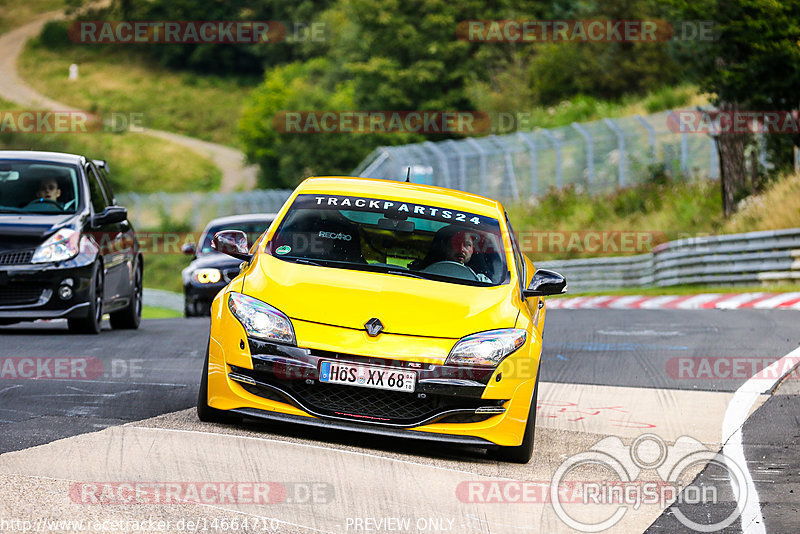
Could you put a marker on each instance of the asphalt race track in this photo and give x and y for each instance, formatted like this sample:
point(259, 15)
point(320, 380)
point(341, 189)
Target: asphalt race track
point(116, 410)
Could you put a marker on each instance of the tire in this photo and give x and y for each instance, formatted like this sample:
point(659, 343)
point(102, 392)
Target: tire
point(92, 323)
point(188, 307)
point(130, 317)
point(206, 413)
point(522, 454)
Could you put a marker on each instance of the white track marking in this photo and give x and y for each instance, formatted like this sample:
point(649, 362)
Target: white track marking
point(733, 447)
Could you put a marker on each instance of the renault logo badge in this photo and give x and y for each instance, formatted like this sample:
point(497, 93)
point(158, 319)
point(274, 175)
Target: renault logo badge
point(374, 327)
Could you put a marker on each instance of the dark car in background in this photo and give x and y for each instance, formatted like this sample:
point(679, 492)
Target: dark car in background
point(67, 251)
point(210, 270)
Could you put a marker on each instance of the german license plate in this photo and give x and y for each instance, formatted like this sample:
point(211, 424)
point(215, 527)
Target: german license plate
point(367, 376)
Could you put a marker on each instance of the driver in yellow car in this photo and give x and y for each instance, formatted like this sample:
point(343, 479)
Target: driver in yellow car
point(454, 244)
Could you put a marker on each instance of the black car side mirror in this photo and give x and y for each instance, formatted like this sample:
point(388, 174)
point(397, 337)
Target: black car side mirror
point(233, 243)
point(189, 249)
point(110, 215)
point(545, 282)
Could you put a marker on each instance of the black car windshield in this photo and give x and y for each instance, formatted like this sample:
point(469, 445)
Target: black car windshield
point(399, 238)
point(253, 229)
point(38, 187)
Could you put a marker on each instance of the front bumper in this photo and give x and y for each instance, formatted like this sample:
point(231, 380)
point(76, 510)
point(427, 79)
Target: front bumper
point(456, 404)
point(29, 292)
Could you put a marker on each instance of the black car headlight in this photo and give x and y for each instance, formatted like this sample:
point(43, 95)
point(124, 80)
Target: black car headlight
point(61, 246)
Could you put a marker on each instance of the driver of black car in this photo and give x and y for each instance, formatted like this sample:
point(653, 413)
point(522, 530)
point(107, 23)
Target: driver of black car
point(453, 244)
point(48, 191)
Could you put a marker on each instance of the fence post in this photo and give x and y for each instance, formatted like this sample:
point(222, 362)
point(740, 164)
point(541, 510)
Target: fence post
point(531, 144)
point(623, 156)
point(509, 166)
point(442, 161)
point(557, 148)
point(651, 136)
point(481, 161)
point(462, 164)
point(589, 151)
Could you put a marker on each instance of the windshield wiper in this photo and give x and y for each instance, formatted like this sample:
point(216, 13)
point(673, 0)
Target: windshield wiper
point(407, 273)
point(10, 210)
point(305, 261)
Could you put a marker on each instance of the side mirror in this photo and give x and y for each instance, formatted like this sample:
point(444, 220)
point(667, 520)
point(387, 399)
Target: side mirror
point(545, 283)
point(189, 249)
point(110, 215)
point(233, 243)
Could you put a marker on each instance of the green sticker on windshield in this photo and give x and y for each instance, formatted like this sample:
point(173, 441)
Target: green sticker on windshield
point(285, 249)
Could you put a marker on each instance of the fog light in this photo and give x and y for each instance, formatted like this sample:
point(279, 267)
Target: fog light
point(64, 292)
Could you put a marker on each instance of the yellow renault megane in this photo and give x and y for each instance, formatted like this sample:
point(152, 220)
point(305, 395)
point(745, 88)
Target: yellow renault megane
point(384, 307)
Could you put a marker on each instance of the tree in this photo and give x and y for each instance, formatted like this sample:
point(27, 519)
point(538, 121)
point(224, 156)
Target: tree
point(753, 63)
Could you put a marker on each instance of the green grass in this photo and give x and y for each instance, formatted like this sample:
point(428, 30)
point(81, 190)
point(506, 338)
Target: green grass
point(662, 211)
point(138, 162)
point(120, 80)
point(152, 312)
point(14, 13)
point(163, 271)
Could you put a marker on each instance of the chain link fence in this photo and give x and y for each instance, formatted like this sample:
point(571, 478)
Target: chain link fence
point(595, 156)
point(194, 210)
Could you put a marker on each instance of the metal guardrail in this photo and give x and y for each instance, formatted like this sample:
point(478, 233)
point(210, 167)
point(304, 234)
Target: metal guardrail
point(750, 258)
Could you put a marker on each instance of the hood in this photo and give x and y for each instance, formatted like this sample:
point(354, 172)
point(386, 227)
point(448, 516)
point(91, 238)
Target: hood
point(22, 231)
point(409, 306)
point(218, 261)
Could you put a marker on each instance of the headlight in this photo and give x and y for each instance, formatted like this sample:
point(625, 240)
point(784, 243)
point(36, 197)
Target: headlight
point(207, 276)
point(261, 320)
point(486, 348)
point(60, 246)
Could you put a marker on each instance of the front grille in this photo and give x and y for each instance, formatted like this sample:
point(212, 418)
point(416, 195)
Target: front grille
point(19, 294)
point(363, 404)
point(16, 257)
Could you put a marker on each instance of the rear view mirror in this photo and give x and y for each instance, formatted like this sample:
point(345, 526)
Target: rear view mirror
point(189, 249)
point(544, 283)
point(233, 243)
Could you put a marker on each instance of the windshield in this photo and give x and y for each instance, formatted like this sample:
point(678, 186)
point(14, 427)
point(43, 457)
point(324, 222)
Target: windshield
point(34, 187)
point(395, 237)
point(253, 229)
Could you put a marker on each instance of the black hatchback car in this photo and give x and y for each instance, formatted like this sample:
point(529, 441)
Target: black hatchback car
point(210, 270)
point(66, 249)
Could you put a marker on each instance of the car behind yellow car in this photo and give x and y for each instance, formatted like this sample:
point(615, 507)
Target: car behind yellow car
point(385, 307)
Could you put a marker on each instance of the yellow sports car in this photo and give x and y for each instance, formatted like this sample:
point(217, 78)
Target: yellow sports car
point(385, 307)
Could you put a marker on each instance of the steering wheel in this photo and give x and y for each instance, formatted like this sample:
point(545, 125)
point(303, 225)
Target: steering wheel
point(45, 201)
point(451, 268)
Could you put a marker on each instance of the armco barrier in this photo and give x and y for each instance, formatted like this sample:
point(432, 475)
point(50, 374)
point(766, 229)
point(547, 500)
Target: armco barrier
point(750, 258)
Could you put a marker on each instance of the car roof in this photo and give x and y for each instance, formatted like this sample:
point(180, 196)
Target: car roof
point(233, 219)
point(408, 191)
point(36, 155)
